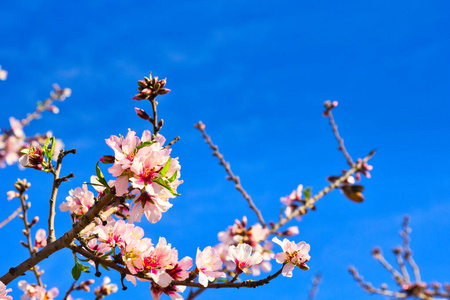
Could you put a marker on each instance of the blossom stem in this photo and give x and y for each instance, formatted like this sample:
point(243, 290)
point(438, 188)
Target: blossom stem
point(201, 127)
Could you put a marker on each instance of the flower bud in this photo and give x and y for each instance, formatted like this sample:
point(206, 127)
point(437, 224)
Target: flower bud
point(142, 114)
point(34, 221)
point(107, 159)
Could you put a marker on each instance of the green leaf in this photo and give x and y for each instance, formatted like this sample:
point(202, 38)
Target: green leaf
point(173, 177)
point(307, 193)
point(147, 143)
point(165, 184)
point(100, 176)
point(166, 167)
point(76, 272)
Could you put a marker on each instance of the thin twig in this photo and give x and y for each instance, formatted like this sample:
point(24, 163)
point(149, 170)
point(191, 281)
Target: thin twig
point(407, 254)
point(397, 276)
point(401, 264)
point(176, 139)
point(301, 210)
point(201, 127)
point(340, 140)
point(27, 233)
point(194, 294)
point(56, 183)
point(70, 290)
point(11, 217)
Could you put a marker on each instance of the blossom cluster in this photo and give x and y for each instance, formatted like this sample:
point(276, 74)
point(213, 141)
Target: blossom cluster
point(14, 140)
point(145, 166)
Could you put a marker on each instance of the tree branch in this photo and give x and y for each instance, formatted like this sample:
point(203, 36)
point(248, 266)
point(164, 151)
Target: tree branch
point(201, 127)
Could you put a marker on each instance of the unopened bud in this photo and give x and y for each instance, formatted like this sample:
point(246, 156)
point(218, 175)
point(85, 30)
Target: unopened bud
point(163, 91)
point(142, 83)
point(142, 114)
point(108, 159)
point(24, 244)
point(24, 232)
point(160, 123)
point(291, 231)
point(34, 221)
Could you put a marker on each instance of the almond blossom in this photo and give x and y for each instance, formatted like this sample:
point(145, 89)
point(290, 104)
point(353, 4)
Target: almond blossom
point(105, 289)
point(4, 291)
point(242, 257)
point(208, 263)
point(40, 239)
point(293, 255)
point(78, 202)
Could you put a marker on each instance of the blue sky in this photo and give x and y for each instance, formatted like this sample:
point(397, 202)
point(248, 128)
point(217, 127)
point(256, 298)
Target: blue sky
point(257, 74)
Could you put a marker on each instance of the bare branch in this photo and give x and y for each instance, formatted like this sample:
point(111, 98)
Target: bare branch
point(237, 182)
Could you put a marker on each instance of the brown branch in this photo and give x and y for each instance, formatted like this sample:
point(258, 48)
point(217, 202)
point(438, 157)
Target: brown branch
point(201, 127)
point(193, 294)
point(11, 217)
point(176, 139)
point(124, 271)
point(340, 140)
point(56, 183)
point(61, 242)
point(301, 210)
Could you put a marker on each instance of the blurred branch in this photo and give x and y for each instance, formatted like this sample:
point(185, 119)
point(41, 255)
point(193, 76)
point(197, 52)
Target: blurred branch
point(415, 289)
point(11, 217)
point(315, 286)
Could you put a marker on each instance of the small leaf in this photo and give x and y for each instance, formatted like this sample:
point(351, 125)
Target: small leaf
point(173, 177)
point(166, 167)
point(76, 272)
point(165, 184)
point(307, 193)
point(100, 176)
point(147, 143)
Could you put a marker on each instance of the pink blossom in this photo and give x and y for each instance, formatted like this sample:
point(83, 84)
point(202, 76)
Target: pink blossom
point(159, 259)
point(242, 257)
point(208, 263)
point(106, 288)
point(171, 291)
point(79, 201)
point(293, 255)
point(267, 254)
point(3, 74)
point(149, 205)
point(40, 239)
point(4, 291)
point(33, 291)
point(12, 194)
